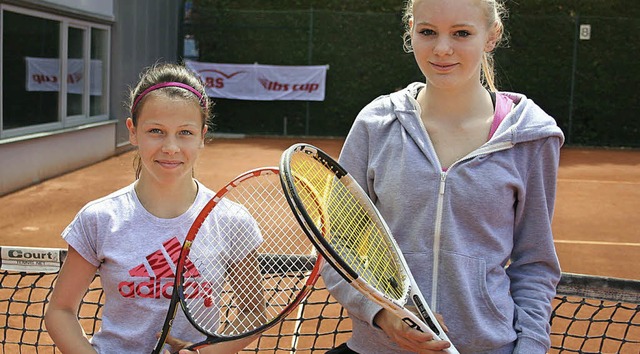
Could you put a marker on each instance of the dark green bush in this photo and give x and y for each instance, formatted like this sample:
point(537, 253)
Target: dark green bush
point(588, 86)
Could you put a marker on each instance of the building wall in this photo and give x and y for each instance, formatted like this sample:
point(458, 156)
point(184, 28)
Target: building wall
point(31, 161)
point(143, 32)
point(95, 8)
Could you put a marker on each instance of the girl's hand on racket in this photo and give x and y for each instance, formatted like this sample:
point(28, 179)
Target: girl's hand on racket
point(175, 344)
point(408, 338)
point(178, 345)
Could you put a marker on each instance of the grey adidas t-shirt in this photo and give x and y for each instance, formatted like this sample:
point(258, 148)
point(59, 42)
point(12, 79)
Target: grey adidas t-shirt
point(136, 253)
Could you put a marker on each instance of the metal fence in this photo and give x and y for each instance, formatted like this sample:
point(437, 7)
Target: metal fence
point(589, 84)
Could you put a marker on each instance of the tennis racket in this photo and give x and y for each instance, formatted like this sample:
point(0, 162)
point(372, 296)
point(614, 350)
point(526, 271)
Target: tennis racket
point(245, 263)
point(353, 238)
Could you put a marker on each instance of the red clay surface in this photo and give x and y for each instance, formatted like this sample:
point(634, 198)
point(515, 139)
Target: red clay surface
point(595, 224)
point(596, 221)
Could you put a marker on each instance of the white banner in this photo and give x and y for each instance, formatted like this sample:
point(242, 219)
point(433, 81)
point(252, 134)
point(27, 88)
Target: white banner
point(43, 74)
point(257, 82)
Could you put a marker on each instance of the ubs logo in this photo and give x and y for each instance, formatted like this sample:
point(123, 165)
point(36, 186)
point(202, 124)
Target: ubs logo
point(216, 78)
point(280, 86)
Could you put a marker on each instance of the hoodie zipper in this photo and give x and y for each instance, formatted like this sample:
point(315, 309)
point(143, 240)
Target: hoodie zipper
point(436, 241)
point(439, 210)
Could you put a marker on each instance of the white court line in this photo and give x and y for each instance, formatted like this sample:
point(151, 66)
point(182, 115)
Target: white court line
point(598, 243)
point(574, 180)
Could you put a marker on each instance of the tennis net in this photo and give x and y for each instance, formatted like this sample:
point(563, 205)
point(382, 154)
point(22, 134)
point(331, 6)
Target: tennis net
point(591, 314)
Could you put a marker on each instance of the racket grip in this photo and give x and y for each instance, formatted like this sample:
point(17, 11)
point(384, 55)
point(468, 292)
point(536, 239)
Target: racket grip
point(416, 321)
point(192, 348)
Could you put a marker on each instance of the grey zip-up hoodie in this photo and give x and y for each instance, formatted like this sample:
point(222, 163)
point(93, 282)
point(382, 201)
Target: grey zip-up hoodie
point(476, 237)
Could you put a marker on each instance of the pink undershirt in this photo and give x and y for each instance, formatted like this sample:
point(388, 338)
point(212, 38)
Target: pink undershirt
point(503, 106)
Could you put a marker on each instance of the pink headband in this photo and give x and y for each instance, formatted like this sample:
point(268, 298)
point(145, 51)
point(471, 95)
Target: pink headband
point(168, 84)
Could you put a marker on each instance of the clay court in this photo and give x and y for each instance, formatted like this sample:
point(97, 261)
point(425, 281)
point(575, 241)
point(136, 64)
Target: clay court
point(595, 224)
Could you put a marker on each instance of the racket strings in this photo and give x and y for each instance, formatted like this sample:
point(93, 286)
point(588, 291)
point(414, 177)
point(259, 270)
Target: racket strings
point(244, 260)
point(369, 250)
point(352, 229)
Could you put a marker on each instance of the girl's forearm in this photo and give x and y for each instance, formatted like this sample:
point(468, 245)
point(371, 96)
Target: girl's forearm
point(67, 333)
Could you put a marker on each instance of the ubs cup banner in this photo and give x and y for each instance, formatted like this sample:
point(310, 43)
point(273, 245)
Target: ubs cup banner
point(257, 82)
point(43, 74)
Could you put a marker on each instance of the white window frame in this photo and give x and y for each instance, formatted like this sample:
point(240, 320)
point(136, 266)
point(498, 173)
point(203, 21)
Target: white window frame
point(63, 121)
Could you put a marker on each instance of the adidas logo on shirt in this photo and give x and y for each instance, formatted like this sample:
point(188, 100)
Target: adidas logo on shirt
point(158, 271)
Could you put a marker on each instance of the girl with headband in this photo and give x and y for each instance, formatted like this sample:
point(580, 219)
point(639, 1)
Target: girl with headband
point(131, 236)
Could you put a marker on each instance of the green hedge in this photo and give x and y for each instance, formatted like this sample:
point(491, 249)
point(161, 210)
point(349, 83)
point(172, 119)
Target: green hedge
point(590, 87)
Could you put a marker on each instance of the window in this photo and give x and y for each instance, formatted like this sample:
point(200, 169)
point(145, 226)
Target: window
point(75, 71)
point(23, 37)
point(99, 70)
point(38, 49)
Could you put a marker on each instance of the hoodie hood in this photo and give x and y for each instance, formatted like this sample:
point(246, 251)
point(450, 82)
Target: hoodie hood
point(525, 122)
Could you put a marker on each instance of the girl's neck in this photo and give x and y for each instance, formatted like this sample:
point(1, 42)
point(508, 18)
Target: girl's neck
point(457, 122)
point(455, 106)
point(166, 200)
